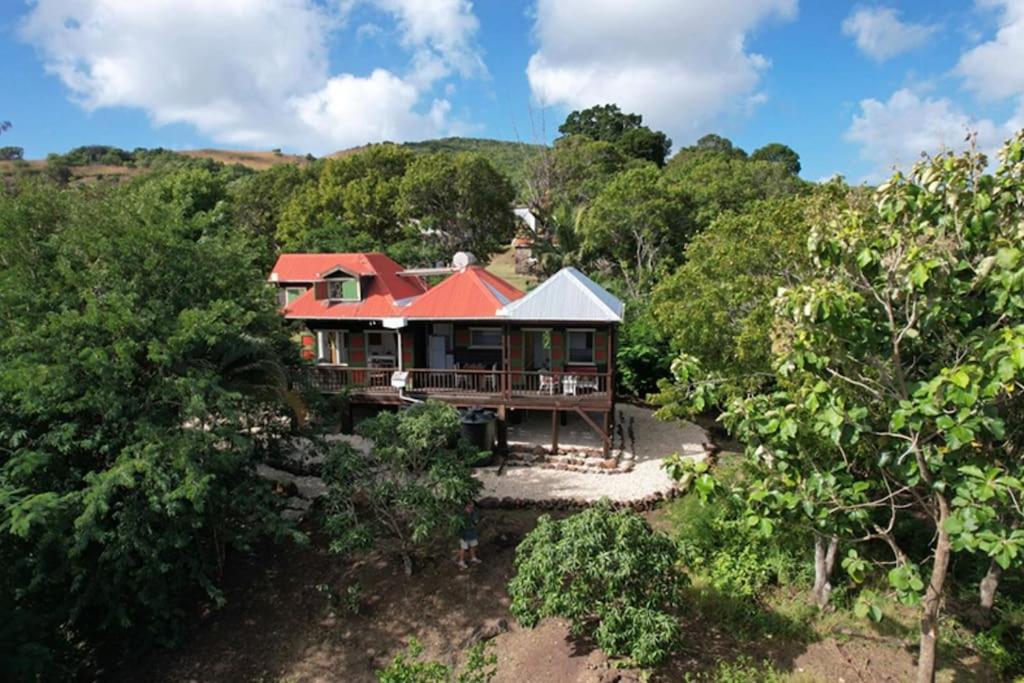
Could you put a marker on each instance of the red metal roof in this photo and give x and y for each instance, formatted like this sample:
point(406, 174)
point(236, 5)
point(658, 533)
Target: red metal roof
point(470, 293)
point(382, 286)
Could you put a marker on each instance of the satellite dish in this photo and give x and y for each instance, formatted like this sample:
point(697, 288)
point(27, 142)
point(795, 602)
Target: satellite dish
point(462, 260)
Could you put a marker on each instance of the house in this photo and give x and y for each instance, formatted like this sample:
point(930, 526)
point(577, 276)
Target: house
point(522, 244)
point(379, 333)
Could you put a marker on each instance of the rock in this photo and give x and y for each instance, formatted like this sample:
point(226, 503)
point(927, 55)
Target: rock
point(486, 631)
point(297, 503)
point(292, 515)
point(305, 487)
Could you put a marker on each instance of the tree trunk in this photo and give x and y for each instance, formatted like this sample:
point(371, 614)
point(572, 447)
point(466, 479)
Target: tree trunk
point(824, 560)
point(933, 599)
point(407, 563)
point(988, 586)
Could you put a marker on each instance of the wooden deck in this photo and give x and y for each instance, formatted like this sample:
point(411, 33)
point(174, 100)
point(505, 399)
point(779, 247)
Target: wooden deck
point(492, 388)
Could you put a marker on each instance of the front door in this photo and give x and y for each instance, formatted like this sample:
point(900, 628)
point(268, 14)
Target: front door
point(537, 349)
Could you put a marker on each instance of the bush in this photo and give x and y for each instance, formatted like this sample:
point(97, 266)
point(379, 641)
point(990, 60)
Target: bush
point(12, 153)
point(718, 545)
point(407, 667)
point(409, 491)
point(609, 574)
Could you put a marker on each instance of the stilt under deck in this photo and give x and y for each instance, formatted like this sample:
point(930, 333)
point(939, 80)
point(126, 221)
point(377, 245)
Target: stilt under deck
point(503, 391)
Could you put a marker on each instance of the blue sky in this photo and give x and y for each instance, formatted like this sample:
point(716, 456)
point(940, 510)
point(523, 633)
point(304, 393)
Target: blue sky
point(855, 88)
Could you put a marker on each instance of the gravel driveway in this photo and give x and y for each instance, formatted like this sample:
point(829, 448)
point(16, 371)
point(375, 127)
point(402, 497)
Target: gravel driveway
point(654, 440)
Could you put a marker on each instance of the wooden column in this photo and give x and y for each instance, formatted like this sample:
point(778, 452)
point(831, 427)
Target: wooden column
point(554, 431)
point(613, 340)
point(502, 428)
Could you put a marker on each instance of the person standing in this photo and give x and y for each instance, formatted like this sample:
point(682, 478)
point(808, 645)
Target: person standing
point(469, 538)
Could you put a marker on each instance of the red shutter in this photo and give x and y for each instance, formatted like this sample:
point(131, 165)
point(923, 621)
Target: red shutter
point(319, 290)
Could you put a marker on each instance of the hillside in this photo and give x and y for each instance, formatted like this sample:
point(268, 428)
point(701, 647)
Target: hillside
point(99, 162)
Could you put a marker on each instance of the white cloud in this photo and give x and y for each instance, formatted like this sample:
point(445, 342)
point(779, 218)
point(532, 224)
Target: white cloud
point(881, 35)
point(895, 133)
point(254, 72)
point(993, 70)
point(679, 64)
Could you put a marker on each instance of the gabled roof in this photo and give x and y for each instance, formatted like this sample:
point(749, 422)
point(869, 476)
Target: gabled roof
point(307, 267)
point(382, 287)
point(567, 296)
point(468, 294)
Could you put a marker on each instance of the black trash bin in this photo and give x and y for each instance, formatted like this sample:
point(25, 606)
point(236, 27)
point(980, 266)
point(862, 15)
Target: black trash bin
point(480, 428)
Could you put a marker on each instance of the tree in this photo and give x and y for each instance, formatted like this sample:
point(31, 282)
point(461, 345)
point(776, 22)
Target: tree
point(717, 306)
point(636, 227)
point(717, 183)
point(718, 145)
point(12, 153)
point(626, 131)
point(778, 153)
point(258, 202)
point(461, 201)
point(899, 361)
point(351, 206)
point(409, 491)
point(608, 573)
point(131, 425)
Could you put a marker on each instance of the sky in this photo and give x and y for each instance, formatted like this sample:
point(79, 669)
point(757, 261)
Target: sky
point(855, 88)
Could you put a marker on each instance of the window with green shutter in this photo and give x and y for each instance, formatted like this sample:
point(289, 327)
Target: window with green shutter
point(343, 289)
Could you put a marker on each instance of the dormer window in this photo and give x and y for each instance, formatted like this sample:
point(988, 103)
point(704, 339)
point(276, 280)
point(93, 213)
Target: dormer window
point(343, 289)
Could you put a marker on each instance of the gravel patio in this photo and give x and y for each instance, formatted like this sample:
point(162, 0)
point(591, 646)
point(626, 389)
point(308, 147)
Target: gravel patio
point(654, 440)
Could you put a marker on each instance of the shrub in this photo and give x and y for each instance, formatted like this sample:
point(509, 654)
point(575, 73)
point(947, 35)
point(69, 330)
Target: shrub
point(718, 545)
point(409, 491)
point(407, 667)
point(608, 573)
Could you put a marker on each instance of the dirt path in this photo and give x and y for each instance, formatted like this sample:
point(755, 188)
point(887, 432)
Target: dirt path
point(279, 625)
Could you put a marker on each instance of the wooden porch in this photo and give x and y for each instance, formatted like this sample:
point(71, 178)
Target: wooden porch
point(470, 387)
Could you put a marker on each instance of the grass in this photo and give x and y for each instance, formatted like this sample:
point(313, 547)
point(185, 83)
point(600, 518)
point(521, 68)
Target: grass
point(503, 265)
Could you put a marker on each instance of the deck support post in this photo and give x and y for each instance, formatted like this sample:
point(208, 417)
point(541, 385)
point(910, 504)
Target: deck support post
point(502, 429)
point(609, 425)
point(554, 431)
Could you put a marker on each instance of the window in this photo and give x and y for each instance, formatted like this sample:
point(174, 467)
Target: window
point(331, 348)
point(293, 293)
point(485, 338)
point(581, 347)
point(343, 289)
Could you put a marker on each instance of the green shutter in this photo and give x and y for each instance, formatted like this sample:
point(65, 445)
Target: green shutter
point(350, 290)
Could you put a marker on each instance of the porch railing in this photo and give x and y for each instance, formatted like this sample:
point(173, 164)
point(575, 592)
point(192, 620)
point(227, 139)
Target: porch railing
point(494, 384)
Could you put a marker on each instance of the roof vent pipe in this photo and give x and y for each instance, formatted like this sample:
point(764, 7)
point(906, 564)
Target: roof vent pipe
point(462, 260)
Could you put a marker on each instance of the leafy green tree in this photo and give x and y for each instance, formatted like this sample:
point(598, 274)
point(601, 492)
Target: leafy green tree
point(899, 360)
point(636, 227)
point(778, 153)
point(609, 574)
point(352, 205)
point(131, 425)
point(580, 168)
point(461, 201)
point(608, 123)
point(258, 202)
point(12, 153)
point(717, 183)
point(717, 306)
point(717, 144)
point(409, 491)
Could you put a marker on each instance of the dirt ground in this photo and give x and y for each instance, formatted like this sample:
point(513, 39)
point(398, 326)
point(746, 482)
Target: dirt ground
point(279, 625)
